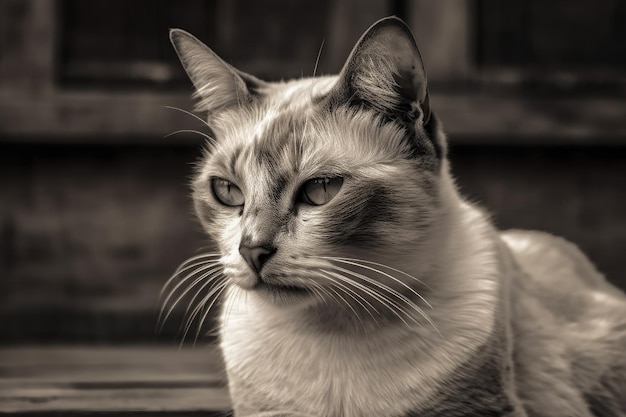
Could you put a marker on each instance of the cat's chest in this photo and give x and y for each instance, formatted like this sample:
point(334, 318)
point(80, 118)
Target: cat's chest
point(274, 367)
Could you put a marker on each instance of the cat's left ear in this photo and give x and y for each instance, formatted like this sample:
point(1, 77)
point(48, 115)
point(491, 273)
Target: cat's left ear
point(218, 84)
point(385, 72)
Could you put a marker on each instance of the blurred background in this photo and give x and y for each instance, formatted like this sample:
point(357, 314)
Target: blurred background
point(95, 211)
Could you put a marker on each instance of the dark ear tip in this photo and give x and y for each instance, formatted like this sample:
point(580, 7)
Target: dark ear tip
point(174, 34)
point(393, 26)
point(177, 34)
point(391, 21)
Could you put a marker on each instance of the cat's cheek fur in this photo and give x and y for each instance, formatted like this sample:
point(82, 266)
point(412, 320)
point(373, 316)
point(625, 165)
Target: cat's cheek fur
point(381, 214)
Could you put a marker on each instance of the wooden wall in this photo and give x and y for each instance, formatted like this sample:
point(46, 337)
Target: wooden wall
point(94, 206)
point(89, 234)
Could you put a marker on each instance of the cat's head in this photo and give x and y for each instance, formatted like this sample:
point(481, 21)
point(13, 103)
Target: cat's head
point(319, 187)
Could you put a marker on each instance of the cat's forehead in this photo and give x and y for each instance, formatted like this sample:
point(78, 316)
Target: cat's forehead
point(278, 103)
point(296, 94)
point(267, 142)
point(310, 138)
point(289, 129)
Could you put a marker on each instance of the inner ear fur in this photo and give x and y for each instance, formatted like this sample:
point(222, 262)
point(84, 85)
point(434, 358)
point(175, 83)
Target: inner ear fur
point(218, 84)
point(385, 71)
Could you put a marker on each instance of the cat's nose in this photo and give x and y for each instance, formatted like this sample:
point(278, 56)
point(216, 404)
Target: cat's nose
point(256, 256)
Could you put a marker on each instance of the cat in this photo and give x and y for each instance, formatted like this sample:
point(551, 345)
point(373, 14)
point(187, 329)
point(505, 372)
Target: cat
point(353, 278)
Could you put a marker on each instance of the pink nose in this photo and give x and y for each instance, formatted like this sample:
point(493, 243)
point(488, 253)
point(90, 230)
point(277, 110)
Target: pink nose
point(256, 256)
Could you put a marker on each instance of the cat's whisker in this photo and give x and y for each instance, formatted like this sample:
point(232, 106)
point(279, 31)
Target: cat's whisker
point(319, 54)
point(327, 294)
point(210, 275)
point(198, 292)
point(316, 288)
point(179, 271)
point(390, 291)
point(163, 318)
point(375, 283)
point(346, 303)
point(354, 295)
point(197, 132)
point(350, 293)
point(221, 281)
point(363, 261)
point(206, 313)
point(208, 257)
point(204, 122)
point(358, 263)
point(215, 291)
point(202, 256)
point(391, 305)
point(198, 269)
point(321, 295)
point(205, 255)
point(189, 266)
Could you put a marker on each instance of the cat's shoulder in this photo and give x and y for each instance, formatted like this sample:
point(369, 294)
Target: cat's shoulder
point(552, 260)
point(569, 329)
point(556, 286)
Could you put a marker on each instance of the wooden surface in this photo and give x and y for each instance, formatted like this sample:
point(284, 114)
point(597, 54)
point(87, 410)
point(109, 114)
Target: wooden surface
point(138, 380)
point(35, 107)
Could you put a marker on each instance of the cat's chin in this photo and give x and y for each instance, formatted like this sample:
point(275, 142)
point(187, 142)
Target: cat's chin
point(294, 289)
point(280, 294)
point(281, 290)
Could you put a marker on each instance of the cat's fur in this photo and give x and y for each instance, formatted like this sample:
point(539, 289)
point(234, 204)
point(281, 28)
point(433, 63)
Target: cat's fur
point(416, 305)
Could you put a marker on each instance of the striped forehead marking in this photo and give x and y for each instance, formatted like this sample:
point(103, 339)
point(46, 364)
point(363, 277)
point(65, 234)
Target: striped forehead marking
point(271, 158)
point(234, 157)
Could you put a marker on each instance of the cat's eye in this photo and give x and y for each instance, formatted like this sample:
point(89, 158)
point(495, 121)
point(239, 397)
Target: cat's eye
point(320, 191)
point(226, 192)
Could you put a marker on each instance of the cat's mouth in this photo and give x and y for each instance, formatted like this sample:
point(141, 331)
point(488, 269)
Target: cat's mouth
point(279, 288)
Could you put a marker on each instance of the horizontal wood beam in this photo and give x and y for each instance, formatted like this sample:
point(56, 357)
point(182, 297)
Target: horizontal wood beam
point(141, 118)
point(141, 380)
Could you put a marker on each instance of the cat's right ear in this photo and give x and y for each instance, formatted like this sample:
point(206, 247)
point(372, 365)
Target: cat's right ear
point(385, 72)
point(218, 85)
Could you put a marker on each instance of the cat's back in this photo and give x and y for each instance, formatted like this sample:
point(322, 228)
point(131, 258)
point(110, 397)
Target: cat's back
point(569, 329)
point(557, 269)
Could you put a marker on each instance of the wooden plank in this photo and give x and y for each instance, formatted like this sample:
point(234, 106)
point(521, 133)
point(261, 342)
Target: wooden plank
point(77, 116)
point(505, 120)
point(33, 108)
point(120, 379)
point(140, 118)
